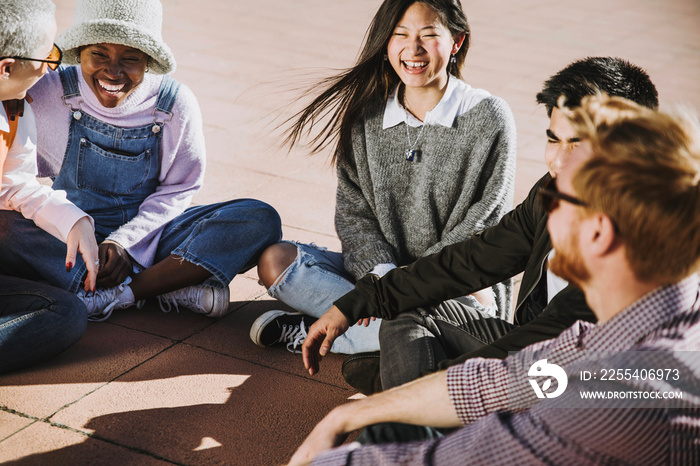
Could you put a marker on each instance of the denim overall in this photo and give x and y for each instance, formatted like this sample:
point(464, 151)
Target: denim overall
point(108, 172)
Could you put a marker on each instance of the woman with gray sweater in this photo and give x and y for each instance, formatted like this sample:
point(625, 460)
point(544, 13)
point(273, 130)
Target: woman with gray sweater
point(423, 160)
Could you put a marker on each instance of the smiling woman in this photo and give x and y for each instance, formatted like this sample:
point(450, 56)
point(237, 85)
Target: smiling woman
point(112, 71)
point(126, 145)
point(423, 160)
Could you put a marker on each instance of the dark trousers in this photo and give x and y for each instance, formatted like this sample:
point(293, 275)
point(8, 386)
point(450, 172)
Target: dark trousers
point(37, 321)
point(415, 342)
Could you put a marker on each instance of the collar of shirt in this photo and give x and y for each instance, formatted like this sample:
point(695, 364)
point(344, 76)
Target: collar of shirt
point(4, 120)
point(458, 98)
point(644, 316)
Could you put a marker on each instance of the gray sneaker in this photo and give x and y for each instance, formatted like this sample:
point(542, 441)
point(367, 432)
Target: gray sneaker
point(202, 299)
point(102, 302)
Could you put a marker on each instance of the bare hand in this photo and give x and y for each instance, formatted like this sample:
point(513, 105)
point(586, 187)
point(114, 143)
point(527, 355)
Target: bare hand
point(115, 265)
point(326, 435)
point(321, 336)
point(82, 238)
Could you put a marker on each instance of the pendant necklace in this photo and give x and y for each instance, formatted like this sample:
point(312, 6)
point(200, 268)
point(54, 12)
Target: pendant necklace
point(412, 155)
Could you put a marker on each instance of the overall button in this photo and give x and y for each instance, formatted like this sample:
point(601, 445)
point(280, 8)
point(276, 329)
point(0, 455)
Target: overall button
point(77, 115)
point(156, 128)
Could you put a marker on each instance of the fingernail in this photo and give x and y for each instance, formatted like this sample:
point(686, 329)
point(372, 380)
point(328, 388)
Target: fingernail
point(69, 266)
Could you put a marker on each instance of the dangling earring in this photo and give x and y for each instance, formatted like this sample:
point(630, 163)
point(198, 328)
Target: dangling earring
point(453, 60)
point(386, 57)
point(148, 69)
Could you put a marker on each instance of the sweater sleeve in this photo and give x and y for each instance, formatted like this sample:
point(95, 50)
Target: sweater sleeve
point(495, 149)
point(364, 244)
point(491, 256)
point(48, 208)
point(181, 176)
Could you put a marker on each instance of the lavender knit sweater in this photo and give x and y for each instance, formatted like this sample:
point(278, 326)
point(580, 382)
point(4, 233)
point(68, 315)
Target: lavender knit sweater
point(389, 210)
point(182, 158)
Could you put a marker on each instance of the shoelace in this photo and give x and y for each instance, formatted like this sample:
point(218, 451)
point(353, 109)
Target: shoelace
point(103, 301)
point(185, 296)
point(294, 336)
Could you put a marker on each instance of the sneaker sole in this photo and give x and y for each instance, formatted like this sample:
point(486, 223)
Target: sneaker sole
point(262, 321)
point(225, 306)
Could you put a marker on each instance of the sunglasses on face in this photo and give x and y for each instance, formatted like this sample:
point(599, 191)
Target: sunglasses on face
point(550, 197)
point(53, 60)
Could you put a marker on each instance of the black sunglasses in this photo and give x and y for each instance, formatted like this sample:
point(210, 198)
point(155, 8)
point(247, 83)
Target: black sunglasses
point(550, 197)
point(53, 60)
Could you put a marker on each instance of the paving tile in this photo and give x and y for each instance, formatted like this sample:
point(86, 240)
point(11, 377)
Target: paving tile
point(44, 444)
point(151, 319)
point(105, 352)
point(11, 423)
point(231, 336)
point(193, 406)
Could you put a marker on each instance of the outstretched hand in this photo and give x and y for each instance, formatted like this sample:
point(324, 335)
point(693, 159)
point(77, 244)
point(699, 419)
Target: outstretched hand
point(115, 265)
point(321, 336)
point(81, 238)
point(329, 433)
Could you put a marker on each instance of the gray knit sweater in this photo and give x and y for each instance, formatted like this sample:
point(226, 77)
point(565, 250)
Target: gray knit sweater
point(389, 210)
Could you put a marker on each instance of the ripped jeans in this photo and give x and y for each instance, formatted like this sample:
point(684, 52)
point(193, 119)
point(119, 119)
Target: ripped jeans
point(311, 285)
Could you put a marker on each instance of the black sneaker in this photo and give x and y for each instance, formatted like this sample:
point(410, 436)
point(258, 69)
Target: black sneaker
point(275, 327)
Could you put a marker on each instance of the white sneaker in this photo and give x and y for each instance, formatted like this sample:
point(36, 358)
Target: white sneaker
point(102, 302)
point(202, 299)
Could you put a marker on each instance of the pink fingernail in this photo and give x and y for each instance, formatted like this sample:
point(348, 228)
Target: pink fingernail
point(69, 266)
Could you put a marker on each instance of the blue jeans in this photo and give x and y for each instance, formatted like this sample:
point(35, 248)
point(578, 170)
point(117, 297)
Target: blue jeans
point(225, 239)
point(311, 285)
point(37, 321)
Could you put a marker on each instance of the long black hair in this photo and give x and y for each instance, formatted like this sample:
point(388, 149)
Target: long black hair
point(347, 94)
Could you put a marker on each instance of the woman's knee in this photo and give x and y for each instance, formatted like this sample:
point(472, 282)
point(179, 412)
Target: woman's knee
point(274, 261)
point(269, 221)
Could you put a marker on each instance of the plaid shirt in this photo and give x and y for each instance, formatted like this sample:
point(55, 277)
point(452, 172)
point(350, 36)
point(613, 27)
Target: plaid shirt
point(507, 423)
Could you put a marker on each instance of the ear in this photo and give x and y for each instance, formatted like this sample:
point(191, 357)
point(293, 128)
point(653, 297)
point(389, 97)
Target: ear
point(5, 65)
point(602, 235)
point(459, 40)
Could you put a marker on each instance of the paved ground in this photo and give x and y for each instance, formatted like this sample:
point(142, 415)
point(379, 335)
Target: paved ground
point(153, 388)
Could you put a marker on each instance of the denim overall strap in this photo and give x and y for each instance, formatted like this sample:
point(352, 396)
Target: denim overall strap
point(108, 171)
point(167, 94)
point(69, 81)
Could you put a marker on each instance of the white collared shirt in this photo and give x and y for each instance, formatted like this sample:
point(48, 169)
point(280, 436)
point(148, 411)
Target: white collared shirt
point(459, 98)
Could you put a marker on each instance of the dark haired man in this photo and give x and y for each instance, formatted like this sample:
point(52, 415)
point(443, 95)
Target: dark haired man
point(424, 324)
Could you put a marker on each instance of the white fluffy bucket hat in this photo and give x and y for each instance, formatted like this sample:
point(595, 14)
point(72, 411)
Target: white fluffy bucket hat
point(134, 23)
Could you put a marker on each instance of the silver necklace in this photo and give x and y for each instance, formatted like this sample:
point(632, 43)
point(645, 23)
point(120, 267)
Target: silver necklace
point(411, 154)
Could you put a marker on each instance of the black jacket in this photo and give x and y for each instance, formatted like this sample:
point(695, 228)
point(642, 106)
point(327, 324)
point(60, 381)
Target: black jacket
point(518, 243)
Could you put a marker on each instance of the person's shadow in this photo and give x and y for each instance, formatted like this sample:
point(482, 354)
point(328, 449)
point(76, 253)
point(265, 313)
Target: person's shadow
point(214, 409)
